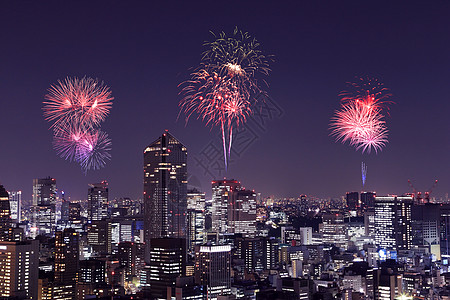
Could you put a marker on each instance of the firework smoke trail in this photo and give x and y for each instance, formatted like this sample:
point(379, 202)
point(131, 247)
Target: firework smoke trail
point(363, 173)
point(360, 119)
point(76, 107)
point(223, 89)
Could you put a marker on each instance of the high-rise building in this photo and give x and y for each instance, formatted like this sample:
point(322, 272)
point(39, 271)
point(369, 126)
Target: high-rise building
point(196, 228)
point(426, 227)
point(352, 200)
point(233, 208)
point(195, 200)
point(334, 230)
point(15, 204)
point(196, 231)
point(74, 211)
point(213, 269)
point(242, 213)
point(167, 262)
point(92, 271)
point(43, 209)
point(306, 235)
point(221, 195)
point(5, 214)
point(126, 254)
point(66, 256)
point(165, 188)
point(367, 200)
point(99, 236)
point(44, 191)
point(98, 201)
point(19, 269)
point(445, 229)
point(393, 222)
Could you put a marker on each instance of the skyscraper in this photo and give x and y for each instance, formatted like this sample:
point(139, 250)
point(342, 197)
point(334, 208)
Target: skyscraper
point(15, 204)
point(165, 188)
point(393, 222)
point(195, 218)
point(19, 269)
point(352, 200)
point(44, 200)
point(221, 194)
point(44, 191)
point(98, 201)
point(5, 214)
point(213, 269)
point(167, 262)
point(242, 213)
point(66, 256)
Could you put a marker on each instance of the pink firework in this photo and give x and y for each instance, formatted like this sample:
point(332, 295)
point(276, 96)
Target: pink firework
point(67, 139)
point(85, 101)
point(361, 125)
point(360, 120)
point(93, 150)
point(76, 107)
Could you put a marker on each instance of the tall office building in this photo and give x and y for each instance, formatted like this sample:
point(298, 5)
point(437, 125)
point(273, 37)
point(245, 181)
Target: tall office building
point(44, 191)
point(5, 214)
point(196, 231)
point(426, 226)
point(43, 209)
point(165, 188)
point(393, 228)
point(445, 229)
point(19, 269)
point(99, 236)
point(213, 269)
point(352, 200)
point(221, 195)
point(167, 262)
point(15, 204)
point(242, 213)
point(367, 200)
point(66, 256)
point(98, 201)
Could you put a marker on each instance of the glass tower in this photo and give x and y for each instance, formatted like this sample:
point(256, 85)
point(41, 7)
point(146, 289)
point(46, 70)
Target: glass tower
point(165, 188)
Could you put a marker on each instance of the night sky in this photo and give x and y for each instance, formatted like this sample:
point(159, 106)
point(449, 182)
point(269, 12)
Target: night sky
point(144, 49)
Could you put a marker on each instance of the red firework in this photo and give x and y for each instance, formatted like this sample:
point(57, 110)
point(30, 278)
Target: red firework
point(223, 89)
point(85, 101)
point(76, 107)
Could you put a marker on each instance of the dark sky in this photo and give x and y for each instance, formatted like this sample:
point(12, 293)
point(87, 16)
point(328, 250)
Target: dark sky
point(144, 49)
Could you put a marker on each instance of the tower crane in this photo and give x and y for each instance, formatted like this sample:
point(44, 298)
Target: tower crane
point(418, 195)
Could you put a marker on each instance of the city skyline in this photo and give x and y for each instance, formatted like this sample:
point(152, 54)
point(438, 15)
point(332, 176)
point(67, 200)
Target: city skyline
point(142, 53)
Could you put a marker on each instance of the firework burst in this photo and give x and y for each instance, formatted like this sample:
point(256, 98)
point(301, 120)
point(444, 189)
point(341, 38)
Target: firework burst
point(85, 101)
point(360, 120)
point(223, 89)
point(93, 150)
point(368, 91)
point(75, 108)
point(361, 126)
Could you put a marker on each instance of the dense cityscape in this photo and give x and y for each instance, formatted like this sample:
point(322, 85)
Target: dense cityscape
point(176, 243)
point(224, 150)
